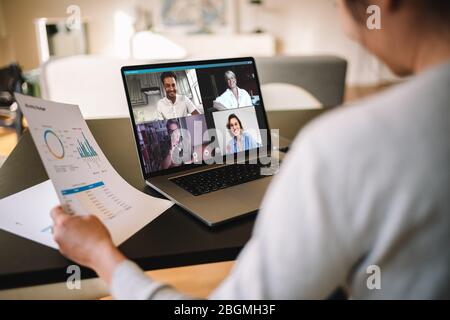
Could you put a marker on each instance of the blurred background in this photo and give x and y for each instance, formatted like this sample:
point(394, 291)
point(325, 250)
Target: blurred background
point(71, 50)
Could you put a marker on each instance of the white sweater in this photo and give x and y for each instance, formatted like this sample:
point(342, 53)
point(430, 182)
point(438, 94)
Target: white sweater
point(363, 185)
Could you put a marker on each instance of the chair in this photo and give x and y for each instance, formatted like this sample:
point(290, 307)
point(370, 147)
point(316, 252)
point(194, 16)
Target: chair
point(307, 80)
point(11, 81)
point(90, 81)
point(285, 96)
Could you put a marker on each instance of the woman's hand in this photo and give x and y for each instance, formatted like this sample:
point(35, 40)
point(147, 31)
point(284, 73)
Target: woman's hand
point(85, 240)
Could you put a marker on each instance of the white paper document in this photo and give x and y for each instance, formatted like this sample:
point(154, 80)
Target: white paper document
point(27, 213)
point(84, 180)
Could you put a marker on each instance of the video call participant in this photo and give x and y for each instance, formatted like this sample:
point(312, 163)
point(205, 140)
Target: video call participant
point(176, 146)
point(241, 140)
point(233, 97)
point(365, 185)
point(173, 105)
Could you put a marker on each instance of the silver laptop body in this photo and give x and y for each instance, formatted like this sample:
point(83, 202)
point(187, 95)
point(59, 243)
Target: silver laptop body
point(150, 95)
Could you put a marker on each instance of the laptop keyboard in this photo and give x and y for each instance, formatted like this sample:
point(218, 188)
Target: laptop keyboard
point(220, 178)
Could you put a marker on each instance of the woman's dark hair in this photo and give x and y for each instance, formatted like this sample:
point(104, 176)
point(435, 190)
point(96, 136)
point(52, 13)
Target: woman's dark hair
point(168, 74)
point(233, 116)
point(437, 10)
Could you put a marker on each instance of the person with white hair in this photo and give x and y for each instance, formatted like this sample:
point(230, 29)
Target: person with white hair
point(234, 97)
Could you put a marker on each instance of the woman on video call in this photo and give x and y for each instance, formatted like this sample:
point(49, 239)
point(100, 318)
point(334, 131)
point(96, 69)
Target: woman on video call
point(240, 140)
point(233, 97)
point(364, 187)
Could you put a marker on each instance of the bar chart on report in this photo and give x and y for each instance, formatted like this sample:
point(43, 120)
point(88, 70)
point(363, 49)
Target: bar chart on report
point(62, 147)
point(82, 180)
point(86, 151)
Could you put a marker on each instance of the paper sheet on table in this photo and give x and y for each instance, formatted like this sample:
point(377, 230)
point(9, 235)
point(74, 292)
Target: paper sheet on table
point(84, 180)
point(27, 213)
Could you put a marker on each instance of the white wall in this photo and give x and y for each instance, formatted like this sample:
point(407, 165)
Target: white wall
point(20, 14)
point(312, 27)
point(300, 26)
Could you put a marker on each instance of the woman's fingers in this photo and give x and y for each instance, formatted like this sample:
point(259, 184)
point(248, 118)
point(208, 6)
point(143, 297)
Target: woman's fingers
point(58, 214)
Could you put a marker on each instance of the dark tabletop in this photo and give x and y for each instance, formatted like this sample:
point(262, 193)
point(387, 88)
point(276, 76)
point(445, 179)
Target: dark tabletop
point(174, 239)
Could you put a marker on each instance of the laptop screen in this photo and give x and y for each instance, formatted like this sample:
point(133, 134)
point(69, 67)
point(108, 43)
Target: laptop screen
point(190, 113)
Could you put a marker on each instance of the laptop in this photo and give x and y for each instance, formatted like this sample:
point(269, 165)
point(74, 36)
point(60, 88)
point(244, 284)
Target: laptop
point(202, 134)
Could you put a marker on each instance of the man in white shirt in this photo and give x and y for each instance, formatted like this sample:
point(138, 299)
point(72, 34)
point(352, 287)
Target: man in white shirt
point(173, 105)
point(233, 97)
point(363, 193)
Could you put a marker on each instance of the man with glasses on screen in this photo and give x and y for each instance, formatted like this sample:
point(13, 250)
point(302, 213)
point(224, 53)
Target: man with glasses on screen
point(175, 152)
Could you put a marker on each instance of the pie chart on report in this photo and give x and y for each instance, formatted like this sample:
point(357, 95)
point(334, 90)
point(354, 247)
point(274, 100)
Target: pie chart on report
point(54, 144)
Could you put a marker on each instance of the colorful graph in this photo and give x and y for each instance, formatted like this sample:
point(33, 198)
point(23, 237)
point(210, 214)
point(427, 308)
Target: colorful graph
point(85, 149)
point(54, 144)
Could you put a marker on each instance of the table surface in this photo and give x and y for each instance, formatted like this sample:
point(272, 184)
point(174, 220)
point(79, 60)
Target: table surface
point(175, 238)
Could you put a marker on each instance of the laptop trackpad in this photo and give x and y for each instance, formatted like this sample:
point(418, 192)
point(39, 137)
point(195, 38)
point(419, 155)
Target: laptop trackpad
point(250, 193)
